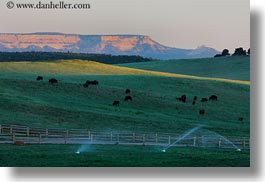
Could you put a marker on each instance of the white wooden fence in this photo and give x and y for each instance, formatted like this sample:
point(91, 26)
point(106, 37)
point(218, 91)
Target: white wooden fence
point(12, 133)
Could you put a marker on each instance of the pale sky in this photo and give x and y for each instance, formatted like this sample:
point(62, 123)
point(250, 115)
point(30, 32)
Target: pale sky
point(177, 23)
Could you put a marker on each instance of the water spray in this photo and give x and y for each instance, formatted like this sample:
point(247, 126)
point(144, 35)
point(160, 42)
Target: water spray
point(82, 148)
point(181, 137)
point(228, 141)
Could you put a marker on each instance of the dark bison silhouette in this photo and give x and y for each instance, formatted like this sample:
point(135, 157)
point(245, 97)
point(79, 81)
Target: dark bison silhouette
point(195, 98)
point(182, 98)
point(85, 85)
point(39, 78)
point(204, 100)
point(213, 97)
point(128, 98)
point(202, 111)
point(193, 103)
point(116, 103)
point(240, 119)
point(95, 82)
point(127, 91)
point(53, 80)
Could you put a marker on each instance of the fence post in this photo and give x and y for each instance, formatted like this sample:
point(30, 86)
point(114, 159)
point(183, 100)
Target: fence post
point(47, 132)
point(67, 133)
point(11, 130)
point(39, 138)
point(133, 137)
point(118, 138)
point(219, 143)
point(244, 143)
point(91, 138)
point(111, 136)
point(14, 138)
point(27, 131)
point(169, 140)
point(88, 133)
point(143, 138)
point(156, 138)
point(65, 139)
point(194, 141)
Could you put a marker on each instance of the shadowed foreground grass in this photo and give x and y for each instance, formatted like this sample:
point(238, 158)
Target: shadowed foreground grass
point(118, 155)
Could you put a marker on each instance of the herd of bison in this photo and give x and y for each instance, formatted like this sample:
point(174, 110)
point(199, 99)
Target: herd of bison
point(127, 97)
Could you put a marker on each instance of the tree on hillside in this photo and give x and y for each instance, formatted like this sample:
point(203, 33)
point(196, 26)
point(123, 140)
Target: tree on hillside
point(240, 52)
point(249, 51)
point(225, 52)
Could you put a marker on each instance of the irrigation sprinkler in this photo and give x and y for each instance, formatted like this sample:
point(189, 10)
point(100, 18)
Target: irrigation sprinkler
point(182, 137)
point(83, 148)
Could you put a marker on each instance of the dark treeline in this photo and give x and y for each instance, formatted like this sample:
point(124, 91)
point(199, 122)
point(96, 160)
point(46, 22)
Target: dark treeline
point(52, 56)
point(238, 52)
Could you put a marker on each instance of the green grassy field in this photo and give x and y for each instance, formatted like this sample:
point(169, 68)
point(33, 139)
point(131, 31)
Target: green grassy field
point(69, 104)
point(23, 100)
point(118, 155)
point(234, 67)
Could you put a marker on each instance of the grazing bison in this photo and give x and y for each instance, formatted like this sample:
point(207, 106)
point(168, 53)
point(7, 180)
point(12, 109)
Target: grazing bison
point(195, 98)
point(128, 98)
point(95, 82)
point(39, 78)
point(116, 103)
point(85, 85)
point(202, 111)
point(53, 80)
point(204, 100)
point(182, 98)
point(127, 91)
point(213, 97)
point(240, 119)
point(193, 103)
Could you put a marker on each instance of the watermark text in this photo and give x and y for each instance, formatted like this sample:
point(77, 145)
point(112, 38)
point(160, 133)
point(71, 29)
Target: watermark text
point(47, 5)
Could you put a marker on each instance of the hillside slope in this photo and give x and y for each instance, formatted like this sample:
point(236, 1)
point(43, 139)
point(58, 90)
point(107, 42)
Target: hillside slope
point(81, 67)
point(237, 68)
point(154, 107)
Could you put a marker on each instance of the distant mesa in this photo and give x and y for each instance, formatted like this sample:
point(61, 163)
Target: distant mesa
point(99, 44)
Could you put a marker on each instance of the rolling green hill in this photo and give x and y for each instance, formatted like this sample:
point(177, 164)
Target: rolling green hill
point(68, 104)
point(81, 67)
point(234, 67)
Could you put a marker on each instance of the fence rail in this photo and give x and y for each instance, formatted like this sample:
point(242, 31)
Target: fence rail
point(13, 133)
